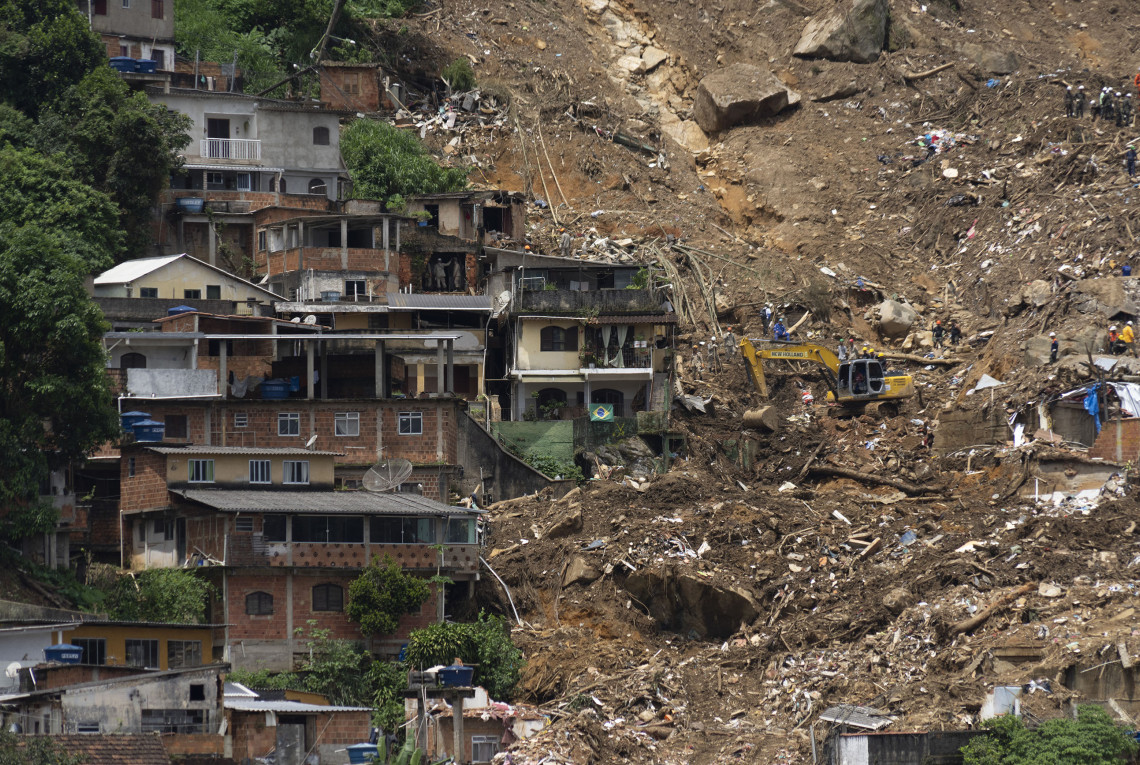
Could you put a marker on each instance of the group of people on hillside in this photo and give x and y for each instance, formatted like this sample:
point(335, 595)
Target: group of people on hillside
point(1109, 104)
point(1122, 341)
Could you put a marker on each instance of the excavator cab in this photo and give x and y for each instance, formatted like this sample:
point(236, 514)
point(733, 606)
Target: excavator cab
point(860, 379)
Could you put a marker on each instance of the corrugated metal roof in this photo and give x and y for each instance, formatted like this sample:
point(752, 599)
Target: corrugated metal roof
point(286, 707)
point(130, 270)
point(401, 300)
point(203, 449)
point(357, 502)
point(641, 318)
point(856, 716)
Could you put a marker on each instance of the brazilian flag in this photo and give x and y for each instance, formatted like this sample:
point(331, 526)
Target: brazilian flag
point(602, 413)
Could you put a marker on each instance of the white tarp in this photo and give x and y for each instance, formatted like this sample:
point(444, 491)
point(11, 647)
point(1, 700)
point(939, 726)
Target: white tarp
point(1129, 394)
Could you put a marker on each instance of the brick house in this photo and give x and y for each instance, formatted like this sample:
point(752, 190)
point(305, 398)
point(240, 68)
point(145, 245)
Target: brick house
point(289, 730)
point(281, 547)
point(355, 87)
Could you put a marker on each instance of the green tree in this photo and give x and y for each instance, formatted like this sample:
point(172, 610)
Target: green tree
point(45, 47)
point(486, 642)
point(385, 161)
point(388, 680)
point(119, 143)
point(382, 594)
point(1091, 739)
point(56, 405)
point(34, 750)
point(336, 668)
point(160, 595)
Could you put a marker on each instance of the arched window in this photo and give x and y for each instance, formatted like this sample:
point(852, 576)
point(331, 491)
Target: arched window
point(259, 603)
point(132, 361)
point(273, 183)
point(320, 136)
point(609, 396)
point(282, 186)
point(558, 339)
point(328, 597)
point(318, 186)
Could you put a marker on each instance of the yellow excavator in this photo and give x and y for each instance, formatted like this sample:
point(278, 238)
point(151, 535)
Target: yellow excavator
point(852, 384)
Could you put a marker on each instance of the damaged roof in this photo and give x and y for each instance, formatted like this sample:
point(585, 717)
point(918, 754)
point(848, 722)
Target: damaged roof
point(109, 749)
point(868, 718)
point(355, 502)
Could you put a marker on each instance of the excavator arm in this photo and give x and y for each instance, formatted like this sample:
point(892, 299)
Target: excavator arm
point(817, 354)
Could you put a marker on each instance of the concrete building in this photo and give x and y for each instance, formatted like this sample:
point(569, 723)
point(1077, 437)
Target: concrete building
point(141, 29)
point(178, 277)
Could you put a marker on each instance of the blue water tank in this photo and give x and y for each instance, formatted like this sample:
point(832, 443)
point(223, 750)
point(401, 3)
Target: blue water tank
point(65, 653)
point(455, 676)
point(180, 309)
point(191, 204)
point(358, 754)
point(275, 389)
point(130, 418)
point(148, 430)
point(145, 65)
point(122, 63)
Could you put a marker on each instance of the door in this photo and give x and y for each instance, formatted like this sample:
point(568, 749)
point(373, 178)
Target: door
point(218, 134)
point(180, 540)
point(290, 743)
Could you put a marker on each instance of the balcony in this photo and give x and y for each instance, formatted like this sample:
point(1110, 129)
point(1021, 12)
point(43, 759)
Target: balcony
point(578, 303)
point(254, 550)
point(230, 148)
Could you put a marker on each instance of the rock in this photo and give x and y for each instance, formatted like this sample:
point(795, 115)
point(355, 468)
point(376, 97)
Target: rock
point(631, 64)
point(856, 33)
point(1047, 590)
point(739, 93)
point(567, 524)
point(596, 7)
point(634, 448)
point(579, 571)
point(835, 92)
point(895, 318)
point(723, 304)
point(1037, 293)
point(652, 57)
point(765, 418)
point(991, 60)
point(898, 600)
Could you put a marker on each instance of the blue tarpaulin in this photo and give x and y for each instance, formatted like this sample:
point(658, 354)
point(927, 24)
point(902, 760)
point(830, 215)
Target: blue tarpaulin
point(1092, 405)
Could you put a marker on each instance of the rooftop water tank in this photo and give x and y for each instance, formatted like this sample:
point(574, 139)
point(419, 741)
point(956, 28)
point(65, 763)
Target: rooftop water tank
point(65, 653)
point(148, 430)
point(130, 418)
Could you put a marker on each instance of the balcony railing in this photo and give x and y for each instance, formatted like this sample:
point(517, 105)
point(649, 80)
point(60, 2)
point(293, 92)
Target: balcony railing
point(231, 148)
point(601, 301)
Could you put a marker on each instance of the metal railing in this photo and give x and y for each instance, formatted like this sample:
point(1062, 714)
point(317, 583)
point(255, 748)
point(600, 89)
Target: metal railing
point(230, 148)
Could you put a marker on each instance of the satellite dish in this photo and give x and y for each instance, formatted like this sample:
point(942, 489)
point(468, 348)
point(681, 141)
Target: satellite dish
point(501, 302)
point(295, 320)
point(387, 475)
point(13, 670)
point(310, 319)
point(312, 440)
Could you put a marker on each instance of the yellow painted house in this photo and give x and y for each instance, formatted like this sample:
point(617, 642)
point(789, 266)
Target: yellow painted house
point(178, 277)
point(143, 644)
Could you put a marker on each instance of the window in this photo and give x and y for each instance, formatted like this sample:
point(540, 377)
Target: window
point(158, 56)
point(347, 424)
point(461, 531)
point(87, 727)
point(355, 288)
point(262, 240)
point(352, 84)
point(296, 471)
point(484, 748)
point(388, 530)
point(142, 531)
point(148, 292)
point(132, 360)
point(274, 528)
point(200, 471)
point(214, 179)
point(318, 186)
point(142, 653)
point(163, 529)
point(558, 339)
point(281, 187)
point(244, 524)
point(328, 597)
point(126, 4)
point(99, 7)
point(320, 136)
point(213, 292)
point(241, 420)
point(156, 9)
point(259, 604)
point(130, 467)
point(184, 653)
point(174, 721)
point(258, 473)
point(244, 183)
point(197, 690)
point(94, 650)
point(177, 426)
point(322, 529)
point(411, 423)
point(288, 423)
point(192, 294)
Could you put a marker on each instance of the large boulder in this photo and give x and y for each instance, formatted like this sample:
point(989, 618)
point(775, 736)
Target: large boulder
point(895, 318)
point(579, 571)
point(990, 59)
point(849, 32)
point(739, 93)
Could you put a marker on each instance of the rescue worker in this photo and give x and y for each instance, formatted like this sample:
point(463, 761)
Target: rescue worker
point(1130, 160)
point(779, 331)
point(1128, 337)
point(955, 332)
point(1079, 106)
point(1052, 347)
point(1115, 346)
point(564, 242)
point(714, 354)
point(938, 332)
point(729, 344)
point(766, 317)
point(1126, 110)
point(1120, 109)
point(841, 351)
point(1136, 80)
point(698, 363)
point(1070, 107)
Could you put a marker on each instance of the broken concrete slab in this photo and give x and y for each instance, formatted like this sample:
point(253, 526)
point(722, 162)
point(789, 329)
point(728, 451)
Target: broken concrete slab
point(737, 94)
point(855, 32)
point(579, 571)
point(652, 57)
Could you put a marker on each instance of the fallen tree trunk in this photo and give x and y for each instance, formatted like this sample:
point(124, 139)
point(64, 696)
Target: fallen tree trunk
point(921, 359)
point(980, 618)
point(855, 475)
point(911, 76)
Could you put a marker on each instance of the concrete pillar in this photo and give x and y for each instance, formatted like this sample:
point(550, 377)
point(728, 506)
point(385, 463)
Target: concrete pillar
point(324, 370)
point(309, 353)
point(385, 234)
point(450, 366)
point(457, 753)
point(301, 247)
point(212, 236)
point(380, 381)
point(439, 372)
point(223, 378)
point(344, 243)
point(397, 227)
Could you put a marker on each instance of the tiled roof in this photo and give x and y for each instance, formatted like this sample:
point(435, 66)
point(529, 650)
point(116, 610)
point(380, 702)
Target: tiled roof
point(111, 749)
point(417, 301)
point(641, 318)
point(356, 502)
point(265, 450)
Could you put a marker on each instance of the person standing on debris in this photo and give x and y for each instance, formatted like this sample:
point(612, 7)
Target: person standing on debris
point(1128, 337)
point(851, 352)
point(841, 352)
point(779, 331)
point(766, 317)
point(1106, 105)
point(729, 344)
point(955, 333)
point(1053, 347)
point(1079, 104)
point(1070, 108)
point(1130, 160)
point(564, 243)
point(1126, 110)
point(1115, 344)
point(938, 333)
point(1119, 101)
point(698, 363)
point(713, 354)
